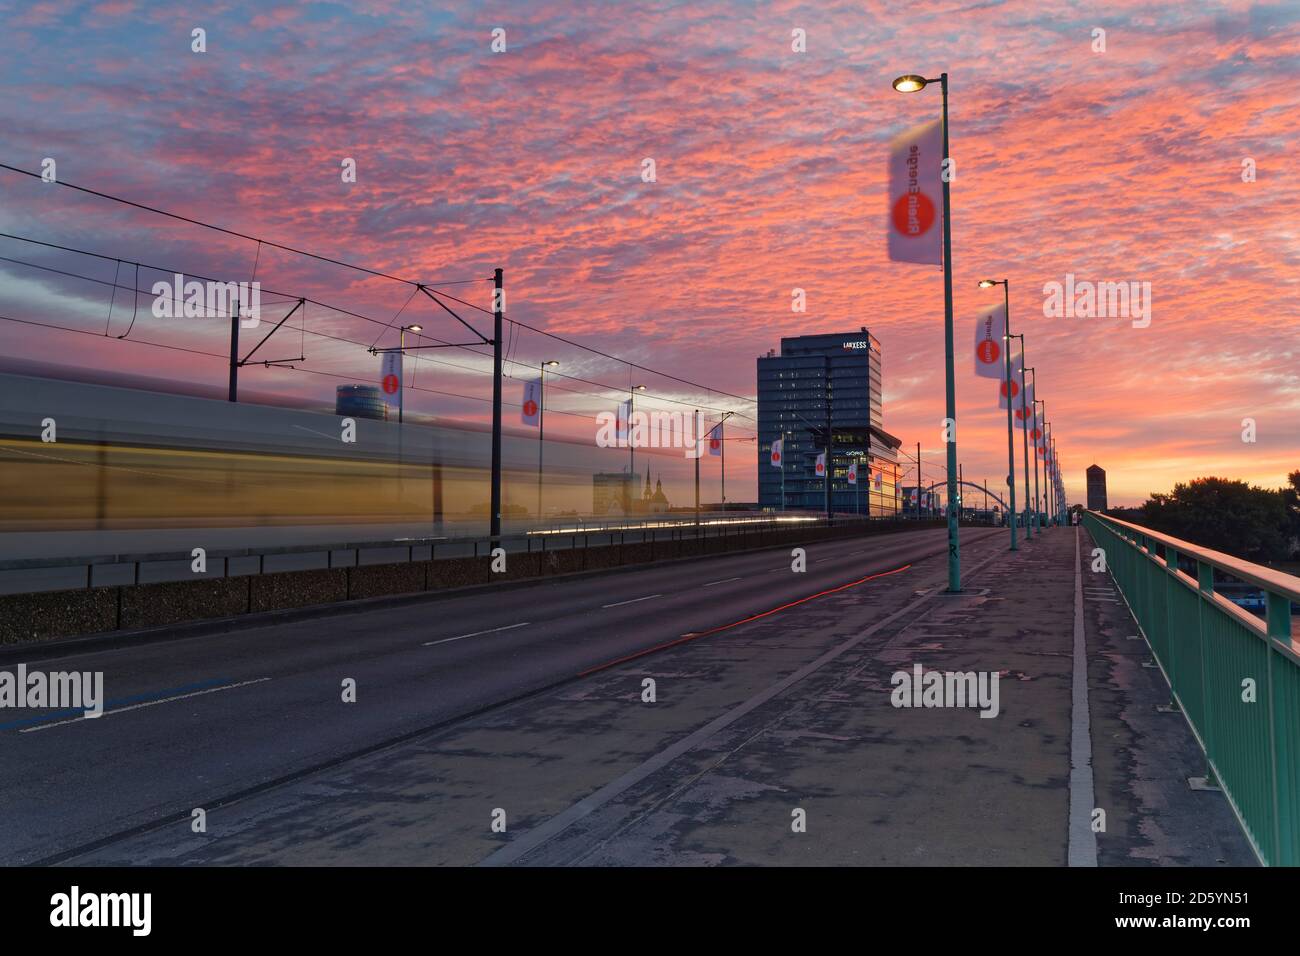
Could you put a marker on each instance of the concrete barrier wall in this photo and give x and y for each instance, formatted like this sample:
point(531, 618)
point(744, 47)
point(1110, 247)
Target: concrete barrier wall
point(50, 614)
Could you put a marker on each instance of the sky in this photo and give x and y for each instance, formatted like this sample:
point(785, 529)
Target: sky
point(1117, 161)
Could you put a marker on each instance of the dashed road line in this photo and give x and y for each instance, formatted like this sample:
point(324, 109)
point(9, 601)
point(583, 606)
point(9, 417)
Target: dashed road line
point(633, 601)
point(461, 637)
point(151, 703)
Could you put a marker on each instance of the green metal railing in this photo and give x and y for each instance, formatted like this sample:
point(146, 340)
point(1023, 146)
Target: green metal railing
point(1209, 649)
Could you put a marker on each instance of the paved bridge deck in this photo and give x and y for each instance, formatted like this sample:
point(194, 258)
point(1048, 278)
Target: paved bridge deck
point(790, 712)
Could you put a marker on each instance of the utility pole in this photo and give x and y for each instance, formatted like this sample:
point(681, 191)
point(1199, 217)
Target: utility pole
point(918, 481)
point(498, 306)
point(696, 433)
point(234, 352)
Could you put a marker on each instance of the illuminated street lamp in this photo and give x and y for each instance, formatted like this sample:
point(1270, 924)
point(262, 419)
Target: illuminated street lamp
point(1006, 383)
point(401, 357)
point(911, 83)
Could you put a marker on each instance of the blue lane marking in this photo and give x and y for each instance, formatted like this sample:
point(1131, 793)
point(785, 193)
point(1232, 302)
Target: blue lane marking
point(119, 702)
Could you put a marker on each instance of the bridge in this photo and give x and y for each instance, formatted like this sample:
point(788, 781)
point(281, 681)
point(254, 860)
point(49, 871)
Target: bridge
point(1087, 700)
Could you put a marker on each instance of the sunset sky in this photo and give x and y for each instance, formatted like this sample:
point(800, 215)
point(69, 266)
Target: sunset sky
point(1122, 165)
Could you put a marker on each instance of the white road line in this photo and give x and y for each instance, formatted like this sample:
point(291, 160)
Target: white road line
point(461, 637)
point(711, 583)
point(148, 703)
point(1082, 847)
point(633, 601)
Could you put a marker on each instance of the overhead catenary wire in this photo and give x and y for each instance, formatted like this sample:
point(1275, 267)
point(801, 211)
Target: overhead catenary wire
point(288, 297)
point(365, 269)
point(386, 325)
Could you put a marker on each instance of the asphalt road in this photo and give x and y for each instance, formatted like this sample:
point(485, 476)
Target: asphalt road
point(192, 721)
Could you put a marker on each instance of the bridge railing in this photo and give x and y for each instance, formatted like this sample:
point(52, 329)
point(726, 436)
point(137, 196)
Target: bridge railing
point(1235, 677)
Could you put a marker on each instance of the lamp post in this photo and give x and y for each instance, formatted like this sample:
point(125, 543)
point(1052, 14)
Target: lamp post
point(722, 453)
point(401, 357)
point(1024, 436)
point(1038, 520)
point(1047, 455)
point(541, 426)
point(631, 449)
point(1043, 437)
point(1006, 384)
point(401, 401)
point(911, 83)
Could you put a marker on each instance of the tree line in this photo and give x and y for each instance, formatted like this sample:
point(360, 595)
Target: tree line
point(1250, 522)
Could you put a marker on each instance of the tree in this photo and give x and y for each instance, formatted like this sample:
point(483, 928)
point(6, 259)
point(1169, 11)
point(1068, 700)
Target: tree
point(1230, 516)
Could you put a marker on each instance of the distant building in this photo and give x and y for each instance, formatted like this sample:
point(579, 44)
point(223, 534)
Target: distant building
point(652, 502)
point(1096, 488)
point(815, 374)
point(611, 493)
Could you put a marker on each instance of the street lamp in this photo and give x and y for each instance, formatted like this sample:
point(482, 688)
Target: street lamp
point(401, 357)
point(1038, 418)
point(1006, 384)
point(631, 449)
point(1024, 432)
point(910, 83)
point(541, 425)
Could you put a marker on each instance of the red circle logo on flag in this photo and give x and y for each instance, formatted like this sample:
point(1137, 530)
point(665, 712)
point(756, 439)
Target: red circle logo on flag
point(530, 408)
point(1015, 388)
point(913, 214)
point(714, 443)
point(820, 468)
point(776, 456)
point(390, 384)
point(988, 351)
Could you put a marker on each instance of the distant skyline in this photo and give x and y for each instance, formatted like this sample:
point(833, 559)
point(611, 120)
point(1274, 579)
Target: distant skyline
point(1120, 166)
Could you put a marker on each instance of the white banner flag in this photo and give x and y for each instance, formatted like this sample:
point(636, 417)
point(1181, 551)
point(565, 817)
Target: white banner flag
point(1015, 386)
point(1023, 411)
point(715, 440)
point(624, 414)
point(820, 467)
point(915, 223)
point(853, 472)
point(880, 480)
point(990, 340)
point(390, 375)
point(778, 453)
point(530, 412)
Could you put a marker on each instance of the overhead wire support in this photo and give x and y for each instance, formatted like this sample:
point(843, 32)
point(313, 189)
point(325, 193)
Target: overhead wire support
point(301, 358)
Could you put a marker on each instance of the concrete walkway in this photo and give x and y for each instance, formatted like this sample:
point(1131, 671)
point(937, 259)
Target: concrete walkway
point(778, 742)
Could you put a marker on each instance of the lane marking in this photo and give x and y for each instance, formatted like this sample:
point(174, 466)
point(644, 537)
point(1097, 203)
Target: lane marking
point(530, 840)
point(633, 601)
point(711, 583)
point(152, 703)
point(1082, 847)
point(461, 637)
point(694, 635)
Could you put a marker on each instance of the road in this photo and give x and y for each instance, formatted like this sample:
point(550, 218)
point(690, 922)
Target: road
point(203, 721)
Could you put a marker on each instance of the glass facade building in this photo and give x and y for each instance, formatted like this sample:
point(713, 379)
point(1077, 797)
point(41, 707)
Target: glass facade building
point(818, 380)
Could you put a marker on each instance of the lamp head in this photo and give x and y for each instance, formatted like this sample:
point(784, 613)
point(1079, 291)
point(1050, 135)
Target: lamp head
point(910, 83)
